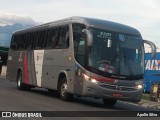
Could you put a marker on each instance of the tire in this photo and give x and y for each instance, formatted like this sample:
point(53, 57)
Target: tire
point(62, 90)
point(109, 102)
point(20, 85)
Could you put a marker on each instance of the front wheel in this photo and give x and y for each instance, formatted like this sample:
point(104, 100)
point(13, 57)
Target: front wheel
point(109, 102)
point(62, 89)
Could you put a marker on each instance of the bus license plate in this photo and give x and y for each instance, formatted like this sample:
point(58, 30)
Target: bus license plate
point(117, 95)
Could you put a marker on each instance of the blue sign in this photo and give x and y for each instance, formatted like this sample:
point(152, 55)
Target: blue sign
point(152, 70)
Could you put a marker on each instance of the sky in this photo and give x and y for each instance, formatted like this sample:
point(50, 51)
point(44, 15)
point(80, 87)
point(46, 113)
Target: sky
point(143, 15)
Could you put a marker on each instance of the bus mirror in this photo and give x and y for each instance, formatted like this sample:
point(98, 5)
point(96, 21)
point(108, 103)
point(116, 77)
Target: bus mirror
point(153, 48)
point(89, 36)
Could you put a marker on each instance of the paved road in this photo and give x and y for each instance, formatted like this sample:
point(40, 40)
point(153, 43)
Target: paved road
point(39, 99)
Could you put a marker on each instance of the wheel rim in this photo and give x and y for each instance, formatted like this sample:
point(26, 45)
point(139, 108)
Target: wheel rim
point(63, 89)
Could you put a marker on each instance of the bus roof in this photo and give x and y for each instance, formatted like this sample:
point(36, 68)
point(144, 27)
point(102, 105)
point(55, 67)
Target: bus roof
point(90, 22)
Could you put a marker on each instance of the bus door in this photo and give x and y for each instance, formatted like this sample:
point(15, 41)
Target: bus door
point(80, 54)
point(38, 57)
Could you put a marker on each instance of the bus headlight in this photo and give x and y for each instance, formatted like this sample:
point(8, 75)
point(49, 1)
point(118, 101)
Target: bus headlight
point(139, 86)
point(94, 81)
point(86, 77)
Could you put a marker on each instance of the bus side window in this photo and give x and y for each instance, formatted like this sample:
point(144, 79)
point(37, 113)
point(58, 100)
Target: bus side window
point(28, 46)
point(21, 42)
point(25, 41)
point(64, 38)
point(35, 39)
point(16, 41)
point(13, 43)
point(30, 41)
point(40, 39)
point(32, 37)
point(52, 35)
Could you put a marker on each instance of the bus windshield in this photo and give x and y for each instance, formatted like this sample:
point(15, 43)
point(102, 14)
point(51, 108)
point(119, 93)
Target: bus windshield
point(116, 53)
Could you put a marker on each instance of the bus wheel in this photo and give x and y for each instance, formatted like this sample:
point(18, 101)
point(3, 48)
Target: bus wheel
point(109, 102)
point(62, 89)
point(20, 85)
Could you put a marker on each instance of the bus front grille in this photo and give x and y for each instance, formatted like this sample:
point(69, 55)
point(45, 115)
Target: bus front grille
point(116, 87)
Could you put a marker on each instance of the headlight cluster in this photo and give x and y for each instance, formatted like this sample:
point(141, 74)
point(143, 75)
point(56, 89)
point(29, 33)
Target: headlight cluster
point(86, 77)
point(139, 84)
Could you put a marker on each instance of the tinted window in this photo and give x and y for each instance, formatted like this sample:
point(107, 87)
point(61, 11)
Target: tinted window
point(25, 41)
point(30, 40)
point(52, 35)
point(81, 53)
point(79, 43)
point(64, 37)
point(40, 39)
point(21, 42)
point(14, 43)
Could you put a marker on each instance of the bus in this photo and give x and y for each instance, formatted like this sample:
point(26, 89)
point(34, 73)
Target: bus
point(3, 57)
point(152, 71)
point(80, 56)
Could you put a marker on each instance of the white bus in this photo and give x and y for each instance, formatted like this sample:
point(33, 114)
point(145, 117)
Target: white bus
point(80, 56)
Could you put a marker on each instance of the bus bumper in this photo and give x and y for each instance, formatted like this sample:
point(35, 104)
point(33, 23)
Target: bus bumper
point(97, 91)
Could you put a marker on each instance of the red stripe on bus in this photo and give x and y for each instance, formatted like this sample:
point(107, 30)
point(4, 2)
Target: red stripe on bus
point(26, 76)
point(103, 79)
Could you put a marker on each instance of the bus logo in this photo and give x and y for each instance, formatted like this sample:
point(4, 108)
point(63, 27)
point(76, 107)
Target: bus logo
point(121, 37)
point(115, 81)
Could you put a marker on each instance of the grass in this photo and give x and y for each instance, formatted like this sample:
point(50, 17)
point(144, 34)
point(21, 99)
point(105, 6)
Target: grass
point(146, 96)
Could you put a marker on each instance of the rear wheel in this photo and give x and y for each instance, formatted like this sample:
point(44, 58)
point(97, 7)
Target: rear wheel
point(20, 85)
point(62, 90)
point(109, 102)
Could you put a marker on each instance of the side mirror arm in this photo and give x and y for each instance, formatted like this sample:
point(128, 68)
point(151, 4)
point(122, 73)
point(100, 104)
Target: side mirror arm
point(153, 48)
point(89, 37)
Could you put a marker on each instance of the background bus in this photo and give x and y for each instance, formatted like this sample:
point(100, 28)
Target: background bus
point(3, 58)
point(152, 69)
point(6, 31)
point(80, 56)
